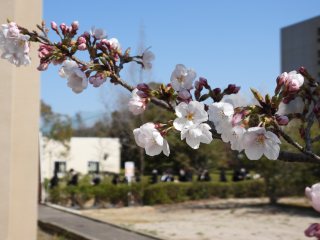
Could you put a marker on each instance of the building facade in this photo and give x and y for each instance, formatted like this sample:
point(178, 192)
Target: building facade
point(300, 46)
point(83, 154)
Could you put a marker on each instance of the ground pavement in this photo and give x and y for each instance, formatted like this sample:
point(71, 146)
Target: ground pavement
point(83, 228)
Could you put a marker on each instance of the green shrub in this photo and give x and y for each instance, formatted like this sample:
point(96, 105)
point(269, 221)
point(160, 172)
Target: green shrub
point(161, 193)
point(248, 189)
point(156, 194)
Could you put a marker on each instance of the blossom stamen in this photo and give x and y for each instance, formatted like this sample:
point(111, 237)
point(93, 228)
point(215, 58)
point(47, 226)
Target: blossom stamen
point(189, 116)
point(260, 139)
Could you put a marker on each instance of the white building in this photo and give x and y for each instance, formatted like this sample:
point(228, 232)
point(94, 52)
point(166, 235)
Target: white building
point(83, 154)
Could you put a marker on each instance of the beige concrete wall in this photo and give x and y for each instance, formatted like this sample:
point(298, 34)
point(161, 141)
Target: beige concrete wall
point(19, 118)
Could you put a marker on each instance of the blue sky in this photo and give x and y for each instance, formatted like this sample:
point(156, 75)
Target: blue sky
point(224, 41)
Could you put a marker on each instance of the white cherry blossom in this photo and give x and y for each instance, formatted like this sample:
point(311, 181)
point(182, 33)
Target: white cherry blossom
point(197, 134)
point(182, 78)
point(115, 44)
point(294, 106)
point(77, 79)
point(137, 105)
point(147, 58)
point(98, 33)
point(257, 141)
point(235, 136)
point(220, 114)
point(313, 194)
point(149, 138)
point(14, 45)
point(189, 114)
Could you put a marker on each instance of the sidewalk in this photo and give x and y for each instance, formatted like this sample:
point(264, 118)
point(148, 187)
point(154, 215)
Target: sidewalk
point(83, 228)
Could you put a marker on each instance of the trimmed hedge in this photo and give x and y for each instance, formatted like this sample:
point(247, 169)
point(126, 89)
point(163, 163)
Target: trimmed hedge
point(161, 193)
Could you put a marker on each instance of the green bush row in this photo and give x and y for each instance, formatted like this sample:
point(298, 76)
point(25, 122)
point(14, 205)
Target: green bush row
point(161, 193)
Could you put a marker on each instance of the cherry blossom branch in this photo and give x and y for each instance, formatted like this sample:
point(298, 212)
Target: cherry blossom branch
point(250, 129)
point(117, 80)
point(309, 154)
point(296, 157)
point(310, 121)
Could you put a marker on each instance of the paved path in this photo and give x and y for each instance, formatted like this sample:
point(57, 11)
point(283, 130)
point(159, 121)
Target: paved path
point(85, 227)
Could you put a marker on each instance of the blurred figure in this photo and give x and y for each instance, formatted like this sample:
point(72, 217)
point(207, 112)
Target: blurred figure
point(189, 175)
point(96, 180)
point(167, 177)
point(182, 176)
point(223, 177)
point(236, 176)
point(204, 176)
point(115, 179)
point(243, 173)
point(154, 176)
point(54, 181)
point(74, 177)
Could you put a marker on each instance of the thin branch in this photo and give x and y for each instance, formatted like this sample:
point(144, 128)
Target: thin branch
point(156, 101)
point(298, 146)
point(310, 121)
point(296, 157)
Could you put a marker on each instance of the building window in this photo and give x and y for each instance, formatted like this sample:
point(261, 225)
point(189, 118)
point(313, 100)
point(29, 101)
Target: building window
point(60, 167)
point(318, 31)
point(93, 167)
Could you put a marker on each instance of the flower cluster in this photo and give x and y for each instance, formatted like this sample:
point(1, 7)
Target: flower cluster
point(149, 138)
point(191, 118)
point(77, 79)
point(14, 45)
point(253, 129)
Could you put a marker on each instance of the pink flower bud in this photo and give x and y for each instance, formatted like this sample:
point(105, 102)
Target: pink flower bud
point(302, 70)
point(97, 80)
point(281, 79)
point(282, 120)
point(54, 26)
point(86, 35)
point(143, 87)
point(204, 82)
point(198, 85)
point(313, 230)
point(68, 29)
point(216, 91)
point(75, 26)
point(81, 40)
point(82, 47)
point(142, 94)
point(43, 66)
point(232, 89)
point(63, 27)
point(184, 95)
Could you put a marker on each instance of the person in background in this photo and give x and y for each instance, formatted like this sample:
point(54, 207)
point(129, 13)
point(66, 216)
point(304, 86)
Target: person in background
point(182, 176)
point(54, 181)
point(223, 177)
point(115, 179)
point(74, 177)
point(204, 176)
point(154, 176)
point(96, 180)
